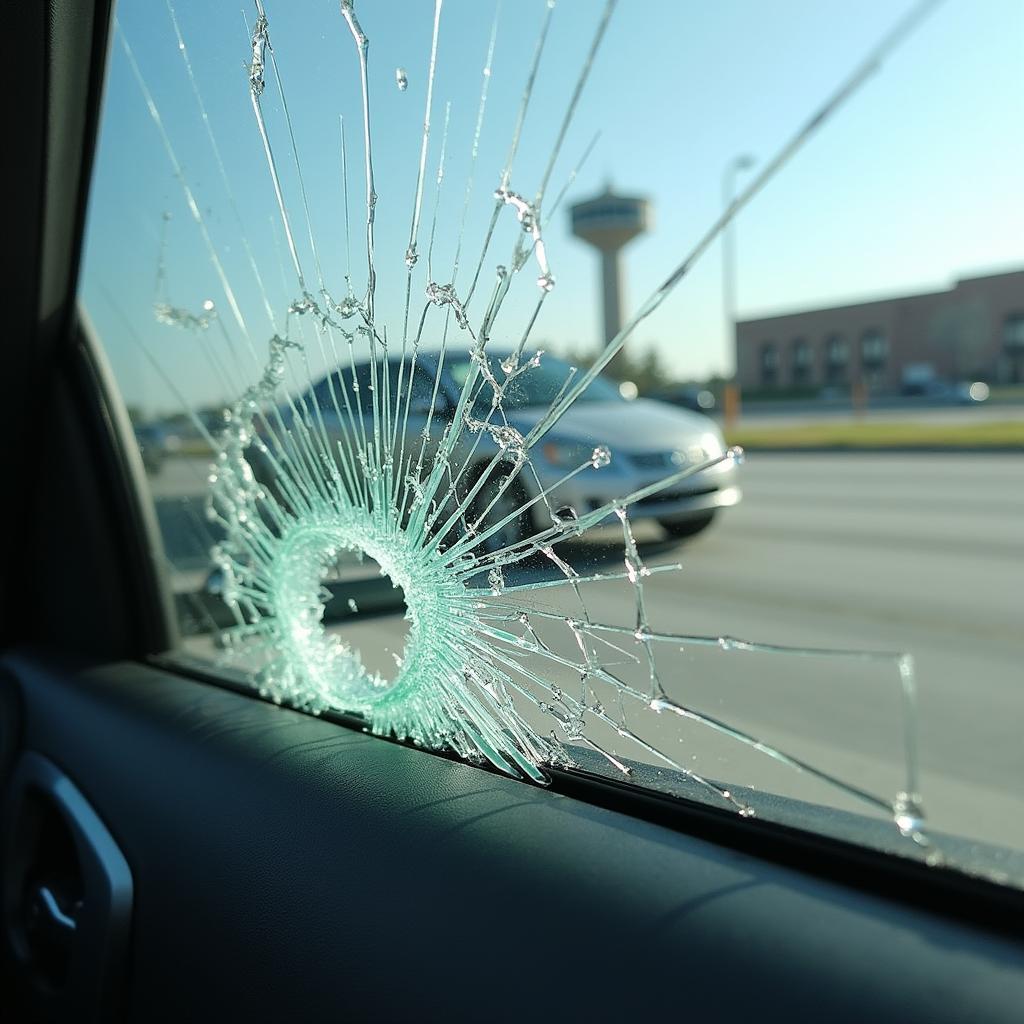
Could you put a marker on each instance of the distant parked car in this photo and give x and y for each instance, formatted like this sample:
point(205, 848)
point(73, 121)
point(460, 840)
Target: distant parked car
point(152, 440)
point(970, 392)
point(648, 440)
point(695, 399)
point(917, 379)
point(955, 392)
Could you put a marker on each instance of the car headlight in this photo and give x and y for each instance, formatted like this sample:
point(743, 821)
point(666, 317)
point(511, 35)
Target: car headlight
point(713, 444)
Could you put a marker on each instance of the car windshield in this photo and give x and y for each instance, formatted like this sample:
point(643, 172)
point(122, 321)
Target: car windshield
point(802, 606)
point(537, 386)
point(365, 382)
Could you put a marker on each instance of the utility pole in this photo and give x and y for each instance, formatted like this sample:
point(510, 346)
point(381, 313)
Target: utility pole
point(739, 163)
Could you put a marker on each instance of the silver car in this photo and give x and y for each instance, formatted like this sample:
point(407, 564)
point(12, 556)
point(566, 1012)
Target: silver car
point(648, 440)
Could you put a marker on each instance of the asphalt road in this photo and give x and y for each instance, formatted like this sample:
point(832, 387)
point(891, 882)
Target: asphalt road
point(923, 554)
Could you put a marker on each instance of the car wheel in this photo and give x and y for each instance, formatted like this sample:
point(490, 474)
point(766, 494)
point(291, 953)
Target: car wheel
point(261, 470)
point(688, 527)
point(264, 474)
point(511, 499)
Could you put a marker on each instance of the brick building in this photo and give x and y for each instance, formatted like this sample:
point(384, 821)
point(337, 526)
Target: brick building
point(972, 331)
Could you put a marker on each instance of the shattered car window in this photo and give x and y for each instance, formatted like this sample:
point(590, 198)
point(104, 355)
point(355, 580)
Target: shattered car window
point(417, 463)
point(540, 387)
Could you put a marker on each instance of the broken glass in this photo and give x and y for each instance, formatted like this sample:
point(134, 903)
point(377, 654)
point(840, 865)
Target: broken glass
point(376, 419)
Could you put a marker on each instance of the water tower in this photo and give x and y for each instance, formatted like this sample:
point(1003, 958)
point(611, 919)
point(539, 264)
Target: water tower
point(608, 222)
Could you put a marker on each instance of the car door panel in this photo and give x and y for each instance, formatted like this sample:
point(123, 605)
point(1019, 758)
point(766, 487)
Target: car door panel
point(287, 867)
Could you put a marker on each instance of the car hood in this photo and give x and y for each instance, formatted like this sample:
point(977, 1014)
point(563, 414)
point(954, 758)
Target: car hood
point(637, 426)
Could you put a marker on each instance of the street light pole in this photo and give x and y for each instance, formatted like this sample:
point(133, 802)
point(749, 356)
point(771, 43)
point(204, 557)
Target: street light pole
point(739, 163)
point(732, 168)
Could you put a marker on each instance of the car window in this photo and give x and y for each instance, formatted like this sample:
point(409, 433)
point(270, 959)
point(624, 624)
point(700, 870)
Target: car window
point(360, 382)
point(538, 388)
point(565, 389)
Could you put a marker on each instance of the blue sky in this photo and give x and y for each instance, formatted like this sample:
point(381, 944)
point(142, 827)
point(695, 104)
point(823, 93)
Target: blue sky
point(916, 181)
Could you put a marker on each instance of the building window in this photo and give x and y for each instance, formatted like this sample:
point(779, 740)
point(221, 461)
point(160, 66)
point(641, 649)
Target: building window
point(1013, 346)
point(874, 352)
point(769, 364)
point(837, 358)
point(1013, 332)
point(802, 360)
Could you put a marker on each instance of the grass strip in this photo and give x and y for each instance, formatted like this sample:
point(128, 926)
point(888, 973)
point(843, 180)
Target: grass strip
point(851, 434)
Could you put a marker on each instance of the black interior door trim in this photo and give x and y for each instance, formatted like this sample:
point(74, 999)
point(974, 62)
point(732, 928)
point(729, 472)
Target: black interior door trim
point(285, 867)
point(950, 888)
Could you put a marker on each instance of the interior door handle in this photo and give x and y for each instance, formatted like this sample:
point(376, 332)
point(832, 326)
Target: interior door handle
point(67, 897)
point(46, 907)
